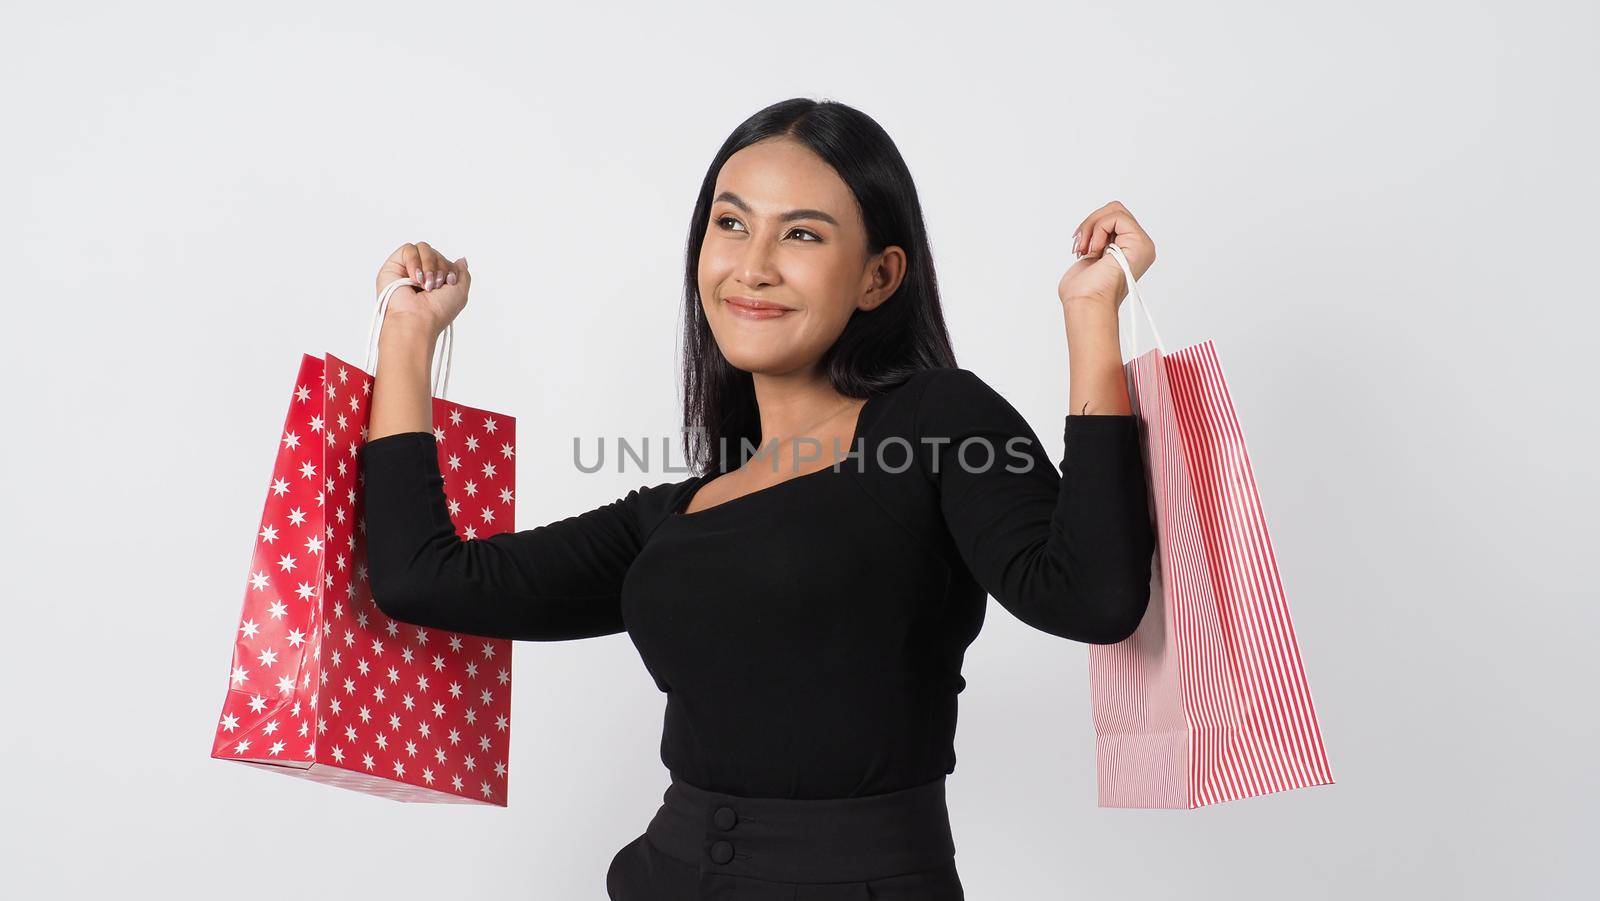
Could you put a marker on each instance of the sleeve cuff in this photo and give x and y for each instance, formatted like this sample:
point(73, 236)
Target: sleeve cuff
point(1105, 429)
point(396, 441)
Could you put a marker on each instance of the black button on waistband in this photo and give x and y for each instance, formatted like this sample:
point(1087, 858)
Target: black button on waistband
point(725, 818)
point(721, 852)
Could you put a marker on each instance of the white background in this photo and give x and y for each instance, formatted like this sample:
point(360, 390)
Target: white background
point(1383, 215)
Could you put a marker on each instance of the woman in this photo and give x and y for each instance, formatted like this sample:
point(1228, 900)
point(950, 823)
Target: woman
point(805, 612)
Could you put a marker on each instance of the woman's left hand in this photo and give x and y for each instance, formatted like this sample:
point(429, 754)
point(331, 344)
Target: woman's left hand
point(1096, 276)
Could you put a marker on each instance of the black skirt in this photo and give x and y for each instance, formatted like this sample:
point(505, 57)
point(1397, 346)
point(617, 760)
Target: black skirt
point(704, 845)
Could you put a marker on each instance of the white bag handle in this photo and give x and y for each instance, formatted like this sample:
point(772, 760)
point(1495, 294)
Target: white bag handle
point(1129, 339)
point(440, 364)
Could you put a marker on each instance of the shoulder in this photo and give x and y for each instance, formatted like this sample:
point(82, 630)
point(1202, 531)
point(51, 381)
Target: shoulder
point(954, 400)
point(652, 501)
point(954, 383)
point(932, 393)
point(936, 412)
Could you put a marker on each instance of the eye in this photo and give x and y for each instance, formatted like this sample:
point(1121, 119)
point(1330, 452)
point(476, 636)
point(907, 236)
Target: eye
point(723, 219)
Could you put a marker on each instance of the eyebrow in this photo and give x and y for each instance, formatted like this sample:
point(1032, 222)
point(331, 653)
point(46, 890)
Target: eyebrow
point(790, 216)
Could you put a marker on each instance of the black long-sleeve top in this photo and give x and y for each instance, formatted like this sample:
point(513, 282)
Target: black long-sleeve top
point(809, 635)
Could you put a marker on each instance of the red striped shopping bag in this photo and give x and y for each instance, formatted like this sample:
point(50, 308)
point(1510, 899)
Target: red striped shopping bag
point(1207, 701)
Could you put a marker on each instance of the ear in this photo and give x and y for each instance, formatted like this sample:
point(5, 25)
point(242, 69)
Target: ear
point(885, 270)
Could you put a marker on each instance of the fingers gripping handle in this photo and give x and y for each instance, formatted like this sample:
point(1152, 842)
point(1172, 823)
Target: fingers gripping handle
point(1130, 340)
point(441, 364)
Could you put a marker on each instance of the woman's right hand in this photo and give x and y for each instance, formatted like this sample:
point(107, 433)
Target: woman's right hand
point(442, 285)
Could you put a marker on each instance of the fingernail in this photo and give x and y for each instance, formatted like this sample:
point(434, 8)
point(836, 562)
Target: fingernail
point(450, 279)
point(1075, 241)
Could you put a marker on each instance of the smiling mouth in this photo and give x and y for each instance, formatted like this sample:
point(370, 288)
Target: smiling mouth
point(753, 308)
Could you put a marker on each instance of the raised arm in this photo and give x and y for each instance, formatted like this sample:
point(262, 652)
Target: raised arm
point(555, 582)
point(1067, 552)
point(558, 581)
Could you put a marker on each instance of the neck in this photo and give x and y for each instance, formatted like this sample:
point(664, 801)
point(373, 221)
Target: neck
point(798, 406)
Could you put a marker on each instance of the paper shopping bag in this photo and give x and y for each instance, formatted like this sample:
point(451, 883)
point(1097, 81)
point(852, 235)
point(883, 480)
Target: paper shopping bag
point(325, 686)
point(1208, 700)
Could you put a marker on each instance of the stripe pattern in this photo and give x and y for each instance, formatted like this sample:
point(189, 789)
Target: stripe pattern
point(1208, 700)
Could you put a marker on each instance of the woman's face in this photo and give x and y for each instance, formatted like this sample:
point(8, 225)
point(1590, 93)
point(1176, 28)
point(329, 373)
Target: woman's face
point(785, 229)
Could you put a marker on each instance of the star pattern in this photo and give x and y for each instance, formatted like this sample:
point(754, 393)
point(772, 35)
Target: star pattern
point(391, 709)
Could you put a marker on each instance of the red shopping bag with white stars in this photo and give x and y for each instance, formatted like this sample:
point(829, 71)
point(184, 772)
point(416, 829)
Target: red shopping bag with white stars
point(323, 685)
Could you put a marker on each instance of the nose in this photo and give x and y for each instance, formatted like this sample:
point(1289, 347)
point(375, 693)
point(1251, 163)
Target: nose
point(755, 268)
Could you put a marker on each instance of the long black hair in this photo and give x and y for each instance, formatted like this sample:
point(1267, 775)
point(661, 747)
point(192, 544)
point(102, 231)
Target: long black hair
point(879, 348)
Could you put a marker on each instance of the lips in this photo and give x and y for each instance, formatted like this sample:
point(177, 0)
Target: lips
point(755, 308)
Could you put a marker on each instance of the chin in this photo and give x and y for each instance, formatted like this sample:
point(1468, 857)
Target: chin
point(749, 360)
point(759, 356)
